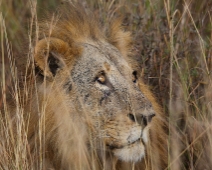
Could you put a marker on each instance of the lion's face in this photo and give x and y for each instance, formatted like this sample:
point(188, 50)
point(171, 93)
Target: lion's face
point(106, 90)
point(102, 86)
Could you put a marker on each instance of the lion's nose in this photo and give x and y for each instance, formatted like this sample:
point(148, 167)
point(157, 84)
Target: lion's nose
point(141, 119)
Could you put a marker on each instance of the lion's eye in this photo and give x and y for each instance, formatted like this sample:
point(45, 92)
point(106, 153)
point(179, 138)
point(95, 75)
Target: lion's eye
point(135, 77)
point(101, 78)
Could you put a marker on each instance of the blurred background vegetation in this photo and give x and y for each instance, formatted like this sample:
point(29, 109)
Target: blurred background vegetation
point(173, 46)
point(17, 16)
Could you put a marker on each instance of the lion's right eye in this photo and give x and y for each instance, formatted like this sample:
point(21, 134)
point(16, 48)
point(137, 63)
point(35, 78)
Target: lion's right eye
point(101, 78)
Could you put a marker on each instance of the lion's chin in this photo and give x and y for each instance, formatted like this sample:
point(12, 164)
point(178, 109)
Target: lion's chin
point(132, 153)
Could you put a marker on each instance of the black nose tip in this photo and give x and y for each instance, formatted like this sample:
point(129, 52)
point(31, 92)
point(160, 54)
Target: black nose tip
point(147, 118)
point(141, 119)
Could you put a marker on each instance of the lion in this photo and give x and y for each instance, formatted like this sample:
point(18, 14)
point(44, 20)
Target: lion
point(88, 107)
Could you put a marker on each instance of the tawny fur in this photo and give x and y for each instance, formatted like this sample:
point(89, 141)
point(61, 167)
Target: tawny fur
point(48, 111)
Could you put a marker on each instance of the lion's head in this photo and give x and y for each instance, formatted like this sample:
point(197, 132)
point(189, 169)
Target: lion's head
point(90, 91)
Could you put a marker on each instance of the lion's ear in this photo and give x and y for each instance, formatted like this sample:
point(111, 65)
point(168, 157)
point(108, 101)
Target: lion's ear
point(53, 54)
point(119, 38)
point(49, 56)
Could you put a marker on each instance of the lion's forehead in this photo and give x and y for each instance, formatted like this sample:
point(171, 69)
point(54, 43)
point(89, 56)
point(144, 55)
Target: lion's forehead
point(103, 56)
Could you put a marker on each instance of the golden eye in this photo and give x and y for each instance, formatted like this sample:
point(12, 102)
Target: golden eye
point(101, 79)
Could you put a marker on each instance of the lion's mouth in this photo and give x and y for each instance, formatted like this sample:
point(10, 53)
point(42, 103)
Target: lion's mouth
point(114, 146)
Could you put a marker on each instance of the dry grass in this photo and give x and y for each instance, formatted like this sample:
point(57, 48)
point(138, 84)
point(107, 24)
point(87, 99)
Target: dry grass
point(173, 45)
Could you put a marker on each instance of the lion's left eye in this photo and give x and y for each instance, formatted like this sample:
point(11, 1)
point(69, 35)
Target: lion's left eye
point(135, 77)
point(101, 78)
